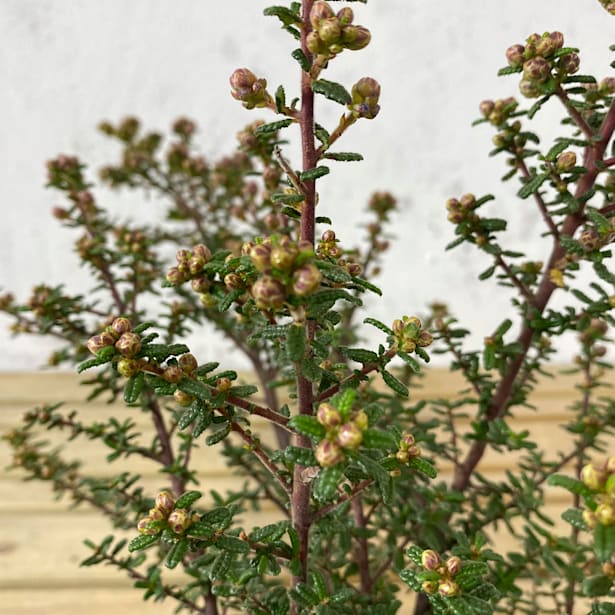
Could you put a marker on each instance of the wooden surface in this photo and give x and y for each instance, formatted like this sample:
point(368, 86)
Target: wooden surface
point(41, 538)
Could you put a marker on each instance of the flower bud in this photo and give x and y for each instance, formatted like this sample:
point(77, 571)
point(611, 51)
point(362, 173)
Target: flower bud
point(268, 293)
point(429, 587)
point(349, 435)
point(165, 502)
point(283, 257)
point(365, 94)
point(183, 399)
point(448, 589)
point(200, 284)
point(430, 560)
point(536, 69)
point(233, 282)
point(155, 514)
point(175, 276)
point(97, 343)
point(453, 565)
point(195, 265)
point(546, 46)
point(188, 363)
point(329, 31)
point(593, 477)
point(173, 374)
point(121, 325)
point(609, 465)
point(306, 279)
point(407, 440)
point(514, 55)
point(260, 255)
point(607, 86)
point(558, 39)
point(605, 513)
point(590, 518)
point(328, 236)
point(129, 344)
point(529, 89)
point(320, 10)
point(355, 37)
point(179, 520)
point(361, 420)
point(590, 239)
point(328, 415)
point(128, 367)
point(248, 89)
point(345, 16)
point(566, 161)
point(144, 526)
point(328, 454)
point(424, 339)
point(569, 63)
point(486, 107)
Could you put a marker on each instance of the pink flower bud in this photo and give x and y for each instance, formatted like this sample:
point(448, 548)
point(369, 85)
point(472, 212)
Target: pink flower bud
point(570, 63)
point(260, 255)
point(306, 279)
point(179, 520)
point(320, 10)
point(448, 589)
point(328, 415)
point(486, 107)
point(96, 343)
point(566, 161)
point(121, 325)
point(349, 435)
point(514, 55)
point(529, 89)
point(268, 293)
point(188, 363)
point(173, 374)
point(329, 31)
point(345, 16)
point(128, 367)
point(200, 284)
point(355, 37)
point(165, 502)
point(430, 560)
point(328, 454)
point(283, 257)
point(175, 276)
point(146, 526)
point(537, 69)
point(558, 39)
point(129, 344)
point(453, 565)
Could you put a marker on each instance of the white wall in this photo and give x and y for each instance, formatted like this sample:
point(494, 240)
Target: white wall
point(68, 64)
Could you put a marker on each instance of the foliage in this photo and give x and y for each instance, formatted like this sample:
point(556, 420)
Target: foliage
point(353, 471)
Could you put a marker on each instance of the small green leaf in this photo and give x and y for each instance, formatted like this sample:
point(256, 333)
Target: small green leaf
point(219, 517)
point(359, 355)
point(574, 516)
point(395, 384)
point(266, 129)
point(322, 135)
point(379, 325)
point(604, 541)
point(133, 388)
point(557, 149)
point(422, 465)
point(376, 471)
point(315, 173)
point(280, 98)
point(410, 361)
point(307, 426)
point(374, 438)
point(187, 499)
point(287, 16)
point(288, 199)
point(325, 485)
point(195, 388)
point(103, 356)
point(229, 299)
point(571, 484)
point(220, 566)
point(300, 455)
point(142, 541)
point(344, 156)
point(332, 91)
point(509, 70)
point(598, 585)
point(485, 275)
point(176, 554)
point(295, 342)
point(219, 435)
point(243, 390)
point(232, 544)
point(301, 58)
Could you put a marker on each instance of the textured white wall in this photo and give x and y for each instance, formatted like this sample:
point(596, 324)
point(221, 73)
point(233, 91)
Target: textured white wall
point(68, 64)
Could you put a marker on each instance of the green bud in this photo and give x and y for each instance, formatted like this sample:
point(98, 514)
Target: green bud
point(175, 276)
point(566, 161)
point(514, 55)
point(195, 265)
point(283, 257)
point(345, 16)
point(529, 89)
point(188, 363)
point(448, 589)
point(609, 486)
point(260, 255)
point(320, 10)
point(155, 514)
point(429, 587)
point(179, 520)
point(546, 46)
point(248, 89)
point(233, 282)
point(200, 284)
point(593, 477)
point(147, 526)
point(355, 37)
point(590, 518)
point(329, 31)
point(605, 513)
point(365, 94)
point(128, 367)
point(183, 399)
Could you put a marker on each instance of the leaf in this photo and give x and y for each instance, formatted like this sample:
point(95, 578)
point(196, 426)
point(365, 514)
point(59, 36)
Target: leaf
point(228, 299)
point(325, 485)
point(598, 585)
point(299, 455)
point(344, 156)
point(273, 127)
point(220, 566)
point(187, 499)
point(366, 285)
point(280, 98)
point(289, 198)
point(307, 426)
point(509, 70)
point(103, 356)
point(477, 606)
point(332, 91)
point(315, 173)
point(195, 388)
point(378, 473)
point(603, 608)
point(219, 517)
point(601, 222)
point(571, 484)
point(142, 541)
point(393, 383)
point(557, 149)
point(574, 516)
point(243, 390)
point(423, 466)
point(176, 554)
point(232, 544)
point(287, 16)
point(133, 387)
point(487, 273)
point(604, 541)
point(379, 325)
point(410, 361)
point(359, 355)
point(536, 107)
point(322, 135)
point(219, 435)
point(374, 438)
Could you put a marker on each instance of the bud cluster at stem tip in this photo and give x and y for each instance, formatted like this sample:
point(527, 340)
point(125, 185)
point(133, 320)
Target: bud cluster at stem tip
point(445, 584)
point(166, 515)
point(409, 333)
point(601, 480)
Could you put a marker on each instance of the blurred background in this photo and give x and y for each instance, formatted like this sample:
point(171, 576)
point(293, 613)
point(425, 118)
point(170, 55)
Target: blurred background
point(68, 65)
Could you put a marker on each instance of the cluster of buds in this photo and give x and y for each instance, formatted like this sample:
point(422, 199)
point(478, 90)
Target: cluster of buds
point(164, 514)
point(332, 33)
point(65, 173)
point(249, 89)
point(328, 248)
point(344, 430)
point(601, 480)
point(118, 334)
point(381, 203)
point(365, 94)
point(131, 241)
point(190, 264)
point(444, 574)
point(499, 111)
point(602, 90)
point(461, 210)
point(608, 6)
point(409, 334)
point(407, 448)
point(538, 58)
point(284, 268)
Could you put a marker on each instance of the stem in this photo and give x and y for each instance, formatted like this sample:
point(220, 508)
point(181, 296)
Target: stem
point(573, 113)
point(300, 499)
point(539, 200)
point(363, 547)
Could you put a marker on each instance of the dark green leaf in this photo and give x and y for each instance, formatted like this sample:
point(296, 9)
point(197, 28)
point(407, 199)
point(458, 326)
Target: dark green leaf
point(380, 475)
point(574, 516)
point(487, 273)
point(133, 388)
point(103, 356)
point(176, 554)
point(395, 384)
point(379, 325)
point(557, 149)
point(187, 499)
point(229, 299)
point(273, 127)
point(373, 438)
point(300, 455)
point(359, 355)
point(233, 544)
point(332, 91)
point(307, 426)
point(410, 361)
point(284, 14)
point(220, 566)
point(219, 435)
point(604, 541)
point(301, 58)
point(295, 342)
point(314, 173)
point(344, 156)
point(571, 484)
point(219, 517)
point(598, 585)
point(322, 135)
point(325, 485)
point(195, 388)
point(142, 541)
point(366, 285)
point(243, 390)
point(422, 465)
point(509, 70)
point(280, 99)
